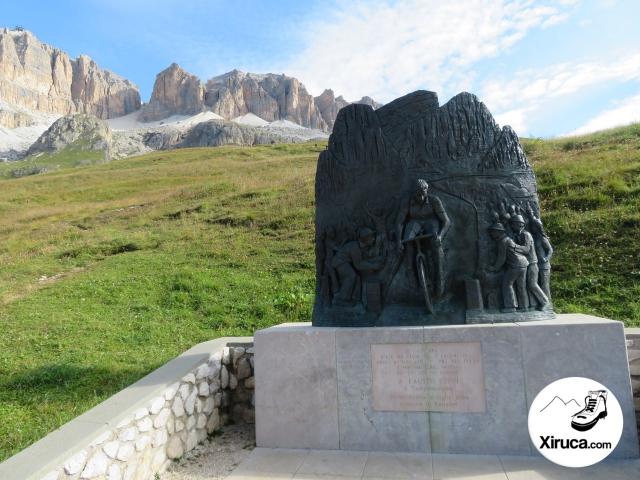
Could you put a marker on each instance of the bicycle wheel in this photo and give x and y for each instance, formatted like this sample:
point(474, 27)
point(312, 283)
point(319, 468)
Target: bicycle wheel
point(424, 284)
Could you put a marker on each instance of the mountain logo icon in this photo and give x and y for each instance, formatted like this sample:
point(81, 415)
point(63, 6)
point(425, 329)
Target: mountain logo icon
point(558, 402)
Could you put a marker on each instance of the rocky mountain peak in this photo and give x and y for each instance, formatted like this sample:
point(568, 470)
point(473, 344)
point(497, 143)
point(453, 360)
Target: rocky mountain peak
point(367, 101)
point(36, 77)
point(329, 106)
point(235, 76)
point(175, 92)
point(236, 93)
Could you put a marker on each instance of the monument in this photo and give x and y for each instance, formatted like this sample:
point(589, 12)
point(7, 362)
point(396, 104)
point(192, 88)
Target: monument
point(433, 327)
point(425, 215)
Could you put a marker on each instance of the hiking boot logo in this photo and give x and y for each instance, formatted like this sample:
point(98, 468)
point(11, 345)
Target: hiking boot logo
point(563, 428)
point(595, 408)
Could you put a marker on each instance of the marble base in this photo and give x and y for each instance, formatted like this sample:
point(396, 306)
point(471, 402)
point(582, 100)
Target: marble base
point(314, 385)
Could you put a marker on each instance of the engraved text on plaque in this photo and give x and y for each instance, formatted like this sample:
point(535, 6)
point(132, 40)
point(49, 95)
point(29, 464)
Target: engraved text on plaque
point(428, 377)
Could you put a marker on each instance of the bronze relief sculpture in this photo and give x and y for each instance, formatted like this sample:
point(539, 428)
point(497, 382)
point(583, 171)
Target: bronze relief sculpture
point(427, 214)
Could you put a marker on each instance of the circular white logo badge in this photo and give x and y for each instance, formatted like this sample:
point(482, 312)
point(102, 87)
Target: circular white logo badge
point(575, 422)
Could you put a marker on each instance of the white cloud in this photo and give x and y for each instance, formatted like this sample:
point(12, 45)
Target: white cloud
point(515, 99)
point(530, 86)
point(516, 119)
point(385, 49)
point(627, 111)
point(555, 19)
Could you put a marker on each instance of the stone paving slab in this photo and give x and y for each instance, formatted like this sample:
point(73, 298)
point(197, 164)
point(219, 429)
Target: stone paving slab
point(274, 463)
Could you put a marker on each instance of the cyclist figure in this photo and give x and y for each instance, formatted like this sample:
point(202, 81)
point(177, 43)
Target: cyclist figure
point(423, 215)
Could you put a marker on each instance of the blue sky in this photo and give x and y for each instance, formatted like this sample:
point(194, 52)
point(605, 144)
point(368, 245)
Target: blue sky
point(545, 67)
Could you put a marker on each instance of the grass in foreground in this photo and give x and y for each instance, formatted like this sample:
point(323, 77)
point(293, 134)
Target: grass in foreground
point(75, 155)
point(111, 270)
point(108, 271)
point(589, 187)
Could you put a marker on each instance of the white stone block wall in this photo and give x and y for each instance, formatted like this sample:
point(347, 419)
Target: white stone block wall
point(172, 423)
point(239, 399)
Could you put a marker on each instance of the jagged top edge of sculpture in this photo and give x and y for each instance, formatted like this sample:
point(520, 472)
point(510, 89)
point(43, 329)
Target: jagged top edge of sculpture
point(418, 96)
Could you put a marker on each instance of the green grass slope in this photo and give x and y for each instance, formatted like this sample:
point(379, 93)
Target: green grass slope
point(589, 187)
point(108, 271)
point(111, 270)
point(74, 155)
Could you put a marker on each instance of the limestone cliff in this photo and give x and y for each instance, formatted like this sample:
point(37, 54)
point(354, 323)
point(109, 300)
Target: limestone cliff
point(368, 101)
point(175, 92)
point(100, 92)
point(329, 106)
point(236, 93)
point(269, 96)
point(39, 83)
point(36, 77)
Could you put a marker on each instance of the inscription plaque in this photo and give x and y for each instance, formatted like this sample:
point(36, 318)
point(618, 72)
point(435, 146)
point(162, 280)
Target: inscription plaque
point(428, 377)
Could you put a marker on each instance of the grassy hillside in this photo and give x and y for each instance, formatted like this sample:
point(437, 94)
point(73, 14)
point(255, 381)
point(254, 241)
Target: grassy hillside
point(589, 187)
point(111, 270)
point(108, 271)
point(74, 155)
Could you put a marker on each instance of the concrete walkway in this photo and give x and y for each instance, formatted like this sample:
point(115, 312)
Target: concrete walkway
point(267, 463)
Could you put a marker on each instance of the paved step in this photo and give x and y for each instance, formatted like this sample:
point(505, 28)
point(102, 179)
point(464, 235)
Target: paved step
point(274, 463)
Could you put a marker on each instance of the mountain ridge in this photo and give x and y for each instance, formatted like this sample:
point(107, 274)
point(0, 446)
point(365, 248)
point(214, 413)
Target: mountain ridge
point(37, 77)
point(270, 96)
point(40, 83)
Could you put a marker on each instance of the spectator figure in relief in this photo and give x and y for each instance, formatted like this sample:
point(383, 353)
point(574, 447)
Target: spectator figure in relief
point(329, 281)
point(504, 215)
point(349, 260)
point(513, 256)
point(423, 215)
point(525, 239)
point(544, 251)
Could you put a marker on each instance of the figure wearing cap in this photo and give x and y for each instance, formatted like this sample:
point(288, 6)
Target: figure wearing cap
point(525, 239)
point(513, 256)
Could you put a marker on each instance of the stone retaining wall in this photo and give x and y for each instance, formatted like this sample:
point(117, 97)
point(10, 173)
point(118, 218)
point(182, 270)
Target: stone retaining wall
point(137, 432)
point(633, 353)
point(141, 440)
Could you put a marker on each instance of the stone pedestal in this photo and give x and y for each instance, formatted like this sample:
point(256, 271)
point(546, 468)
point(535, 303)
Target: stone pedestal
point(327, 388)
